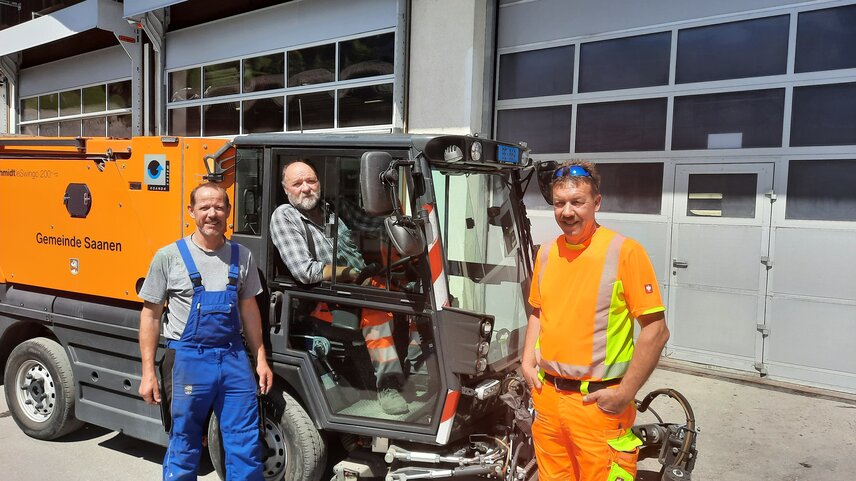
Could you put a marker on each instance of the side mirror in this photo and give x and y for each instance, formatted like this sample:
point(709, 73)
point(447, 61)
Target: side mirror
point(374, 175)
point(406, 236)
point(544, 175)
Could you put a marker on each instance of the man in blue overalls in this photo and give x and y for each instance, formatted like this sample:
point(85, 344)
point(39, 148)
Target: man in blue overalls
point(210, 285)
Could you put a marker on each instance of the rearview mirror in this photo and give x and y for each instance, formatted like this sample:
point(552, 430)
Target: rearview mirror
point(406, 236)
point(376, 198)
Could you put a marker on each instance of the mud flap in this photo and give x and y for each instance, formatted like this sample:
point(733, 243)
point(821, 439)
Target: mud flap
point(165, 367)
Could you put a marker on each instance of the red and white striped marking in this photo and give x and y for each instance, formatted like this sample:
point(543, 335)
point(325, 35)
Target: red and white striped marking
point(448, 417)
point(435, 260)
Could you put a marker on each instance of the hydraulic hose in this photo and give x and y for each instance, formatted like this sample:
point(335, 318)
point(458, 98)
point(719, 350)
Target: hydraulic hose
point(688, 412)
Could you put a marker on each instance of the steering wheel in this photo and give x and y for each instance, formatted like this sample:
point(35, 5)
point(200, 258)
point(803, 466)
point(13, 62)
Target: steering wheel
point(376, 269)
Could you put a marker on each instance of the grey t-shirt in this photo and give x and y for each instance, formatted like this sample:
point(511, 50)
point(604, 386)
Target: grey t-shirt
point(168, 279)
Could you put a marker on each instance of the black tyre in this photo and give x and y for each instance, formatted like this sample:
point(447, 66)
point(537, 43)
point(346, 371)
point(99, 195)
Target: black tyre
point(40, 389)
point(294, 449)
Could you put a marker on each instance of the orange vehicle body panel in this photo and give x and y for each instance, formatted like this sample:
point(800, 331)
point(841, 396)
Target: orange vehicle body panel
point(107, 252)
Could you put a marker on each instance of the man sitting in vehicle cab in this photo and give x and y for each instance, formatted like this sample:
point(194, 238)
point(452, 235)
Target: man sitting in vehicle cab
point(298, 232)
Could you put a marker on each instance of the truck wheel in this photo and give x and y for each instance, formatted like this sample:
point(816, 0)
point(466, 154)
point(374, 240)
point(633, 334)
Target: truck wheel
point(293, 448)
point(40, 389)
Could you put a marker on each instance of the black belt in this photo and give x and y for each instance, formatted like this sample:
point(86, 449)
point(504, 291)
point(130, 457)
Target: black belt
point(573, 385)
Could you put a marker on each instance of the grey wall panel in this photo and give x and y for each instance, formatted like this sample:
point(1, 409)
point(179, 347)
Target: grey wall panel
point(137, 7)
point(545, 20)
point(295, 23)
point(812, 342)
point(90, 68)
point(814, 262)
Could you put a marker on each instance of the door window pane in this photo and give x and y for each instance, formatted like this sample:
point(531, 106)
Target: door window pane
point(184, 122)
point(221, 79)
point(313, 65)
point(119, 126)
point(635, 188)
point(221, 119)
point(367, 56)
point(185, 84)
point(310, 111)
point(30, 129)
point(729, 120)
point(95, 127)
point(94, 99)
point(824, 115)
point(722, 195)
point(119, 95)
point(363, 106)
point(69, 102)
point(547, 71)
point(264, 73)
point(30, 109)
point(636, 125)
point(821, 190)
point(624, 63)
point(48, 106)
point(69, 128)
point(263, 115)
point(825, 39)
point(545, 129)
point(50, 129)
point(750, 48)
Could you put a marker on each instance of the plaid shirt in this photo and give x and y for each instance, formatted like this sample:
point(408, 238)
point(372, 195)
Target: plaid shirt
point(288, 234)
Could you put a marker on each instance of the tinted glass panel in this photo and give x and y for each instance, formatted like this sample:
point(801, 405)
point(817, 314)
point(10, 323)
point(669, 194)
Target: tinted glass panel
point(30, 109)
point(119, 95)
point(263, 115)
point(313, 65)
point(69, 102)
point(30, 129)
point(221, 119)
point(548, 71)
point(185, 84)
point(221, 79)
point(635, 188)
point(750, 48)
point(622, 126)
point(825, 39)
point(48, 106)
point(264, 73)
point(367, 56)
point(95, 127)
point(729, 120)
point(625, 62)
point(824, 115)
point(722, 195)
point(365, 106)
point(50, 129)
point(310, 111)
point(94, 99)
point(69, 128)
point(119, 126)
point(184, 122)
point(545, 129)
point(821, 190)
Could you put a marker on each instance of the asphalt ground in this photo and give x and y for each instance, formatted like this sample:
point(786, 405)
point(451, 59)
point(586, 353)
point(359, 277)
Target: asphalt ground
point(749, 431)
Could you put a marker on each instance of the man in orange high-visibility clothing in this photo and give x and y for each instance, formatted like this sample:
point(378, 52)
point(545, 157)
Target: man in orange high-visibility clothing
point(588, 285)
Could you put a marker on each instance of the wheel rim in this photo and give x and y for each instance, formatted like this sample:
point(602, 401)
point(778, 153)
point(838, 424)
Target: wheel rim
point(36, 392)
point(276, 455)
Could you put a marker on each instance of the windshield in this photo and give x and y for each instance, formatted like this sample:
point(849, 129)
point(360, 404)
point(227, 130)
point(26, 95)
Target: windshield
point(485, 253)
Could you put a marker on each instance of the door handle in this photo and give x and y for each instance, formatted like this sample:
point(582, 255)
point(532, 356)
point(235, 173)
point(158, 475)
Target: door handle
point(680, 264)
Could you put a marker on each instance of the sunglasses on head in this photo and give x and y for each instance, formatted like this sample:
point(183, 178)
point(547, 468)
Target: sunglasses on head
point(572, 171)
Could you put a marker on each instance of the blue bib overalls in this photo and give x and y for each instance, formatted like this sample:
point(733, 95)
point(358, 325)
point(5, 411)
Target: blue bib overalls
point(212, 369)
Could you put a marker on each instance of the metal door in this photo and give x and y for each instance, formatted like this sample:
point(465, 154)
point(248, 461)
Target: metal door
point(718, 275)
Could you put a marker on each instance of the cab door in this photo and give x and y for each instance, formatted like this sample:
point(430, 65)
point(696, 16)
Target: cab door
point(719, 261)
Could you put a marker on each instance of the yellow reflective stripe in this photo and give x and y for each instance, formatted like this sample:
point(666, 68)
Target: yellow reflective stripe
point(619, 348)
point(584, 388)
point(653, 310)
point(617, 473)
point(627, 442)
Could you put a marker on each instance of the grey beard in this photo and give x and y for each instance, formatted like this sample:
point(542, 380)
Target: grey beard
point(308, 203)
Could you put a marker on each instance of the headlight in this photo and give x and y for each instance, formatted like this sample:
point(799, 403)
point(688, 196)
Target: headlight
point(481, 365)
point(486, 329)
point(476, 151)
point(484, 347)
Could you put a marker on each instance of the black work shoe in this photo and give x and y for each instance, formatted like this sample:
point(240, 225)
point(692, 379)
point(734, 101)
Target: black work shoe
point(391, 401)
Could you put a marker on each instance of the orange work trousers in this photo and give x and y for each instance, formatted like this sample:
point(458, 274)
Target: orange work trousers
point(571, 438)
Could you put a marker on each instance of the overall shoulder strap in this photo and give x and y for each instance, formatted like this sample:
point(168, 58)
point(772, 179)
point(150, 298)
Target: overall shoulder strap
point(234, 265)
point(310, 241)
point(195, 277)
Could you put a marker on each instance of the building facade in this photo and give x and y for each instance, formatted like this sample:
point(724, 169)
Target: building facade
point(726, 130)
